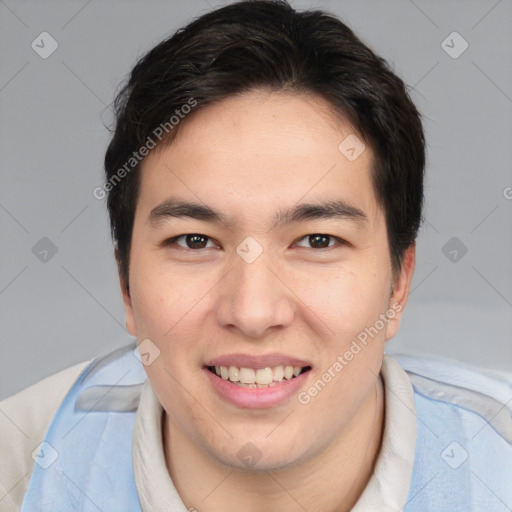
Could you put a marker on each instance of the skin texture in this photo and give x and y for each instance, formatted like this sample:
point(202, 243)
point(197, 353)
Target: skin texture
point(248, 157)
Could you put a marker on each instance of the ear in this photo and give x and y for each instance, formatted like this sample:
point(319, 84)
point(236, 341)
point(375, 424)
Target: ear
point(131, 326)
point(401, 289)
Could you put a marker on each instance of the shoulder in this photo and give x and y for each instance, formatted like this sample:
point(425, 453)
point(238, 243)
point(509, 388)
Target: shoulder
point(464, 435)
point(479, 392)
point(24, 419)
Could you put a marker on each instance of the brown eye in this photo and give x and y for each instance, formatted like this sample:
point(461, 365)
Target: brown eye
point(192, 241)
point(196, 241)
point(320, 240)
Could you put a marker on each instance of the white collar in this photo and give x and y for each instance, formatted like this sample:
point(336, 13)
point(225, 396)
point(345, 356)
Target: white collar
point(386, 491)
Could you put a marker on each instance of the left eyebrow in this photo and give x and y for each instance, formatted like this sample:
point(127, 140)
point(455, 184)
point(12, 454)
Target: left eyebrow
point(339, 209)
point(322, 210)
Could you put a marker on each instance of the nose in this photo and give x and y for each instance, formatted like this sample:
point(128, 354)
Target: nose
point(254, 299)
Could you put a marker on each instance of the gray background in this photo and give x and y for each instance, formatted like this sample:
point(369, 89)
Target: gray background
point(68, 309)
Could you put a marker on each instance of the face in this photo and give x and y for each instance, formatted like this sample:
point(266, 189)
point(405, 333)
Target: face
point(253, 278)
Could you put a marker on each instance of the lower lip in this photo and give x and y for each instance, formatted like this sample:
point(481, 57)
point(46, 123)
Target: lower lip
point(256, 398)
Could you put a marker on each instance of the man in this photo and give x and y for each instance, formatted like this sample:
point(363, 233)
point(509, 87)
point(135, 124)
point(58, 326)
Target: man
point(265, 188)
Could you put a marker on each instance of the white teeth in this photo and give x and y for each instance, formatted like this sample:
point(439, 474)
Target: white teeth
point(264, 375)
point(247, 376)
point(234, 374)
point(242, 385)
point(261, 377)
point(278, 373)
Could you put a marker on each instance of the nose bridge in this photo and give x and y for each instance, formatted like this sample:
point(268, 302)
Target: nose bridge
point(252, 297)
point(254, 277)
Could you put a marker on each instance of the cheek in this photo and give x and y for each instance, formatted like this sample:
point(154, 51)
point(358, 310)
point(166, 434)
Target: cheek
point(352, 351)
point(169, 309)
point(150, 310)
point(347, 301)
point(160, 298)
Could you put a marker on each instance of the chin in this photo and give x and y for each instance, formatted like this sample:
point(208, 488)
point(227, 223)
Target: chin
point(260, 454)
point(262, 465)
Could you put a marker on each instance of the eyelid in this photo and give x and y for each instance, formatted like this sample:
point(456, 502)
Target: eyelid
point(172, 241)
point(340, 241)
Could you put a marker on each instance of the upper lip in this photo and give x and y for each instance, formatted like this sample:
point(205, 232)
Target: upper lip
point(253, 361)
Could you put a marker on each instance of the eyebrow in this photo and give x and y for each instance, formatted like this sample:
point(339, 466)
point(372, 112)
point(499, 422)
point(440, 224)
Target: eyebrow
point(339, 209)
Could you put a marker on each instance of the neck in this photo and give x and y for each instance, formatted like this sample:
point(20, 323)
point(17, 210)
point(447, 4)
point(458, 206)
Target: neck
point(332, 481)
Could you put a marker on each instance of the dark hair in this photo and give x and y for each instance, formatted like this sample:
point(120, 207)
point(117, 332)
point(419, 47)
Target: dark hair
point(267, 44)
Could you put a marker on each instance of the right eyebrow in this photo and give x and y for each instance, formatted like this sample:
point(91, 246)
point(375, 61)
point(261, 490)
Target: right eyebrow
point(172, 208)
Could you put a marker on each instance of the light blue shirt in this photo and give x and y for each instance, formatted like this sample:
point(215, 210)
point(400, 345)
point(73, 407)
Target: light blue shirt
point(447, 443)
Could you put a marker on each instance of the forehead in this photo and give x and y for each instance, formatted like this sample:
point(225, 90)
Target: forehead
point(260, 149)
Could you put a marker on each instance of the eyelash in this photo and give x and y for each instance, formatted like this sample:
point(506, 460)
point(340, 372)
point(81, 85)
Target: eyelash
point(173, 240)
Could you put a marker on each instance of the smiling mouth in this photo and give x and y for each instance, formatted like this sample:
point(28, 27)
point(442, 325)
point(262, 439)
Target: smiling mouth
point(258, 378)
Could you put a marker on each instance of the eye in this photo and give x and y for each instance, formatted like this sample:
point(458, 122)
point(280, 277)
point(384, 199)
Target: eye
point(192, 241)
point(321, 240)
